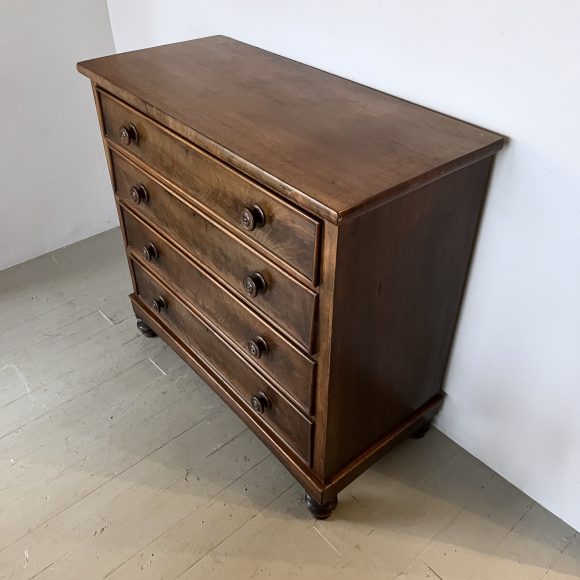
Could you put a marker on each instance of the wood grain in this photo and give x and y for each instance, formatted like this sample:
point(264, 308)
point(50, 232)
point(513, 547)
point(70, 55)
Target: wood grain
point(287, 232)
point(340, 147)
point(364, 265)
point(292, 370)
point(286, 302)
point(400, 274)
point(293, 428)
point(135, 469)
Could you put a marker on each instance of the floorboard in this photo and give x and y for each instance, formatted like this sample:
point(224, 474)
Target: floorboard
point(118, 462)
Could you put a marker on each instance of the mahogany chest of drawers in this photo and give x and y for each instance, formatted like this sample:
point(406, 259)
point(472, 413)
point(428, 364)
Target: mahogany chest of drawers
point(302, 241)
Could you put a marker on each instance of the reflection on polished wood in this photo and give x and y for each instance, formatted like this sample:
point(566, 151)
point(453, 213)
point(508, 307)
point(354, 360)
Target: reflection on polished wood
point(301, 241)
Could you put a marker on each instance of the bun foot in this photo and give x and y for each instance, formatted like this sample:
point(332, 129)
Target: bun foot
point(421, 431)
point(320, 512)
point(144, 328)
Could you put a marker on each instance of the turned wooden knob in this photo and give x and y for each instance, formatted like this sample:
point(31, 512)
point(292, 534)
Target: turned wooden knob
point(139, 194)
point(260, 403)
point(128, 134)
point(258, 347)
point(252, 218)
point(254, 284)
point(158, 304)
point(149, 252)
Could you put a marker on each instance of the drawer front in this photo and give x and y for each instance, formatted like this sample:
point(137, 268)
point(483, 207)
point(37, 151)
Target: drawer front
point(284, 230)
point(289, 424)
point(261, 344)
point(290, 304)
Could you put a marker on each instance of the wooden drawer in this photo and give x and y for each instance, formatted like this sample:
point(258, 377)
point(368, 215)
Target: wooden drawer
point(287, 232)
point(289, 424)
point(290, 368)
point(287, 302)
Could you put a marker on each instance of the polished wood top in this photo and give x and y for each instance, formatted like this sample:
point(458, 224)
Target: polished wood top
point(332, 145)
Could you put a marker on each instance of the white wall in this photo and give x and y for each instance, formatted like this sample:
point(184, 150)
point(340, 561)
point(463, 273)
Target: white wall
point(54, 187)
point(511, 66)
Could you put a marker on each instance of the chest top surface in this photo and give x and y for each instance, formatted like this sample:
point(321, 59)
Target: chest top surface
point(333, 144)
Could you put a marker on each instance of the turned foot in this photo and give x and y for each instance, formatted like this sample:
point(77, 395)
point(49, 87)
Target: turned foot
point(421, 431)
point(320, 512)
point(144, 328)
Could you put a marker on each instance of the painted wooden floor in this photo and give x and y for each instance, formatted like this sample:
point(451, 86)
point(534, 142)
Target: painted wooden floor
point(117, 462)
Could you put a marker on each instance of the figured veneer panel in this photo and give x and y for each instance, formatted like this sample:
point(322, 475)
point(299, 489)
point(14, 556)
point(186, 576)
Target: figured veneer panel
point(288, 303)
point(372, 207)
point(290, 368)
point(294, 428)
point(287, 232)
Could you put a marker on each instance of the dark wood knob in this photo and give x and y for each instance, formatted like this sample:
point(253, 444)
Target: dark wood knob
point(252, 218)
point(149, 252)
point(128, 134)
point(258, 347)
point(158, 304)
point(139, 194)
point(254, 284)
point(259, 403)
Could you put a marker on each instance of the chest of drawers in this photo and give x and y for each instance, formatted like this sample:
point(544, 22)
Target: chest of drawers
point(302, 241)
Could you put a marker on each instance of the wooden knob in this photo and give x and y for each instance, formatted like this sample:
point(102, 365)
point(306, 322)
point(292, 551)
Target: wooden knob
point(260, 403)
point(254, 284)
point(159, 304)
point(149, 252)
point(128, 134)
point(258, 347)
point(252, 218)
point(139, 194)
